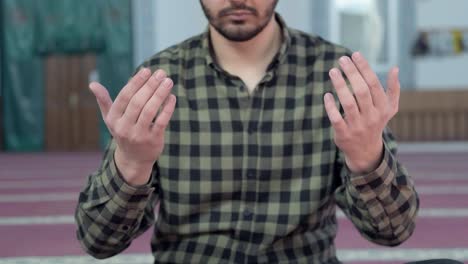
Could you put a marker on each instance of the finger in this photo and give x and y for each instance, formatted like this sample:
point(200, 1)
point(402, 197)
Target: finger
point(102, 97)
point(126, 94)
point(165, 115)
point(334, 114)
point(154, 104)
point(360, 88)
point(373, 82)
point(394, 89)
point(345, 96)
point(140, 99)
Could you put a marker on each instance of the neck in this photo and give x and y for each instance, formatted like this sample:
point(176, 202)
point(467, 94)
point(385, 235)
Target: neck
point(257, 52)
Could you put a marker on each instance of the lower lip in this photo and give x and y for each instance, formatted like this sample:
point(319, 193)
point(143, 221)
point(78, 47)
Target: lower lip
point(239, 16)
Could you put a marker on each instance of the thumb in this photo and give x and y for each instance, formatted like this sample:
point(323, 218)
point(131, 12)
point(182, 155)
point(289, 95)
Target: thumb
point(393, 85)
point(102, 97)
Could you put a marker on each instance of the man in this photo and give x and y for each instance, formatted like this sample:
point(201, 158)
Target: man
point(249, 164)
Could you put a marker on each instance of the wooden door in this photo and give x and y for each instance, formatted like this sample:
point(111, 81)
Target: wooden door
point(72, 115)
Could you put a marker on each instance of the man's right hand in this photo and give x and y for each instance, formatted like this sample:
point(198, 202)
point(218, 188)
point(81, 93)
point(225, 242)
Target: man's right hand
point(137, 120)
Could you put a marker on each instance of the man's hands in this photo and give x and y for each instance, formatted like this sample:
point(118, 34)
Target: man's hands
point(140, 141)
point(358, 133)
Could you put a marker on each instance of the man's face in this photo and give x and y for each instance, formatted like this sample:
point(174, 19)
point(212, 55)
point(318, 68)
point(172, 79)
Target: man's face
point(239, 20)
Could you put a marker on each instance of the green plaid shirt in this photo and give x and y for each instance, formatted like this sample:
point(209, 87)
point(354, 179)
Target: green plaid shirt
point(247, 178)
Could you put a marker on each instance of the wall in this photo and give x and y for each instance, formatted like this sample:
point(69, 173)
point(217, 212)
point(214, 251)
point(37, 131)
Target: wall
point(448, 71)
point(143, 29)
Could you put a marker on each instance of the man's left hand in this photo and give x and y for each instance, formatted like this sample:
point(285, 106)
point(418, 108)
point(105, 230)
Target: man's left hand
point(358, 133)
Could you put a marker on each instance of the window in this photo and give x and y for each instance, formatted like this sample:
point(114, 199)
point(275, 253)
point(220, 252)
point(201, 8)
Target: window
point(368, 26)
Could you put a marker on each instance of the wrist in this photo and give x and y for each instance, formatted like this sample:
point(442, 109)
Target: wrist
point(366, 161)
point(134, 173)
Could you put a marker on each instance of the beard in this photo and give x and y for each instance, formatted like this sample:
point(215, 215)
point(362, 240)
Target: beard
point(239, 30)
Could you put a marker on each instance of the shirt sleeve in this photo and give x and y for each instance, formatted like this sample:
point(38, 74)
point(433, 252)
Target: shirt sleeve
point(110, 213)
point(382, 204)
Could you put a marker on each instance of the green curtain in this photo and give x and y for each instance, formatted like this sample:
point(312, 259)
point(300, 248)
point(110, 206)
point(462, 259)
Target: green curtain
point(115, 63)
point(33, 29)
point(69, 26)
point(22, 79)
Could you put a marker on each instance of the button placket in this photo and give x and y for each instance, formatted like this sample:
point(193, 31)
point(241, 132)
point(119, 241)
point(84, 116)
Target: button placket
point(248, 214)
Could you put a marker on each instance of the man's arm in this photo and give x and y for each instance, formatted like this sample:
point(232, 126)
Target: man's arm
point(377, 194)
point(381, 204)
point(118, 202)
point(110, 212)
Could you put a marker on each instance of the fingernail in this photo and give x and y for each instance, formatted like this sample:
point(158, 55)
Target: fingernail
point(145, 72)
point(357, 55)
point(329, 97)
point(167, 82)
point(344, 60)
point(92, 86)
point(160, 75)
point(334, 72)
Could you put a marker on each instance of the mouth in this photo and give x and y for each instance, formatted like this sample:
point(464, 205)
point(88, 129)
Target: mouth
point(238, 14)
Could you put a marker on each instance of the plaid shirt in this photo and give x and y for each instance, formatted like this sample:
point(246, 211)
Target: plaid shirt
point(247, 178)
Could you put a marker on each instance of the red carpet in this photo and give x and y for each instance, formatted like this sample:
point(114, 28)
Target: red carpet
point(38, 194)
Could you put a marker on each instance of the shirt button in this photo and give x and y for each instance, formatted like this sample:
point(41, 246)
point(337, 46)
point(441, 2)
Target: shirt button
point(252, 129)
point(248, 214)
point(241, 246)
point(251, 175)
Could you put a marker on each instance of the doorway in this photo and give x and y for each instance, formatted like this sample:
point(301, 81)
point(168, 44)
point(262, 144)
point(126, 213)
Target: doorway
point(72, 115)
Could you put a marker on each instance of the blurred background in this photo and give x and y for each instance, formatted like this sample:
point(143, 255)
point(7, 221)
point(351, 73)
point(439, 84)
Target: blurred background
point(51, 133)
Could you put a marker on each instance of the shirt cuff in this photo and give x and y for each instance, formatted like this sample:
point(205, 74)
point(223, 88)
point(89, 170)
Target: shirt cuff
point(375, 184)
point(123, 194)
